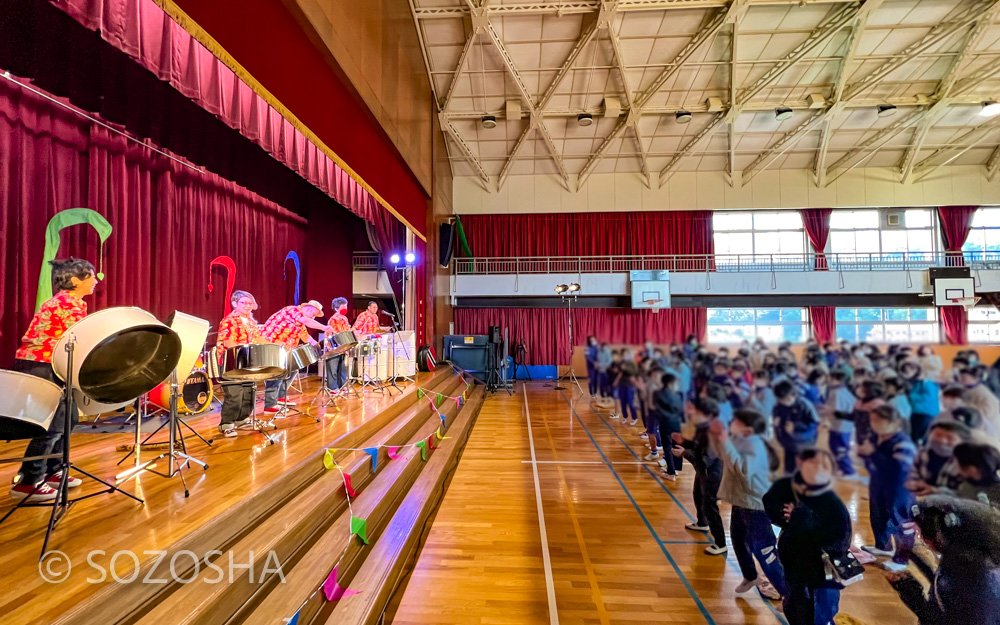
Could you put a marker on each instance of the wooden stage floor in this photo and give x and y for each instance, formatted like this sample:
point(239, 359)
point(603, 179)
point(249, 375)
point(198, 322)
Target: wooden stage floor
point(239, 469)
point(619, 552)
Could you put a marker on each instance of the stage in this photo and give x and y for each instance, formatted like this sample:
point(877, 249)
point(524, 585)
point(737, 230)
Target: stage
point(283, 492)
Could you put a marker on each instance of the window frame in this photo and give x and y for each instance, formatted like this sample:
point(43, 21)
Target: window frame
point(804, 323)
point(886, 323)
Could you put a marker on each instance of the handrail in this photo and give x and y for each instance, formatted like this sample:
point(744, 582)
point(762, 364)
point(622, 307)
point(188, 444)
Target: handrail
point(367, 261)
point(727, 263)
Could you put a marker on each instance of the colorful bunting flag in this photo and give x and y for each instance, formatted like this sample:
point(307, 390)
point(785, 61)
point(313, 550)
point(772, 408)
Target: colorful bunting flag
point(392, 453)
point(328, 460)
point(444, 421)
point(347, 485)
point(430, 442)
point(295, 618)
point(439, 399)
point(423, 449)
point(373, 452)
point(333, 590)
point(420, 393)
point(360, 527)
point(439, 437)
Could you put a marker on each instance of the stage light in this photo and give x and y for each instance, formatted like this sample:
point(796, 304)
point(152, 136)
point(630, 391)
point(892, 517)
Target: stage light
point(782, 113)
point(394, 259)
point(585, 119)
point(410, 257)
point(574, 287)
point(990, 109)
point(886, 110)
point(489, 122)
point(682, 117)
point(561, 288)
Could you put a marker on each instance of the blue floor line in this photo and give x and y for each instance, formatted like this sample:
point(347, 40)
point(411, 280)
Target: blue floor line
point(778, 615)
point(649, 526)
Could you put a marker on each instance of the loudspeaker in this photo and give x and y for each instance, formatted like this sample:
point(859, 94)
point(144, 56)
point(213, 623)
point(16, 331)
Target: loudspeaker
point(494, 334)
point(446, 243)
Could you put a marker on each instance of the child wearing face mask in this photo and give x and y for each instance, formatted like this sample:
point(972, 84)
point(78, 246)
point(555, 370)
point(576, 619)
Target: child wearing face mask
point(590, 354)
point(745, 479)
point(813, 522)
point(935, 467)
point(979, 396)
point(708, 472)
point(923, 396)
point(614, 373)
point(889, 455)
point(838, 412)
point(871, 395)
point(667, 408)
point(796, 422)
point(979, 469)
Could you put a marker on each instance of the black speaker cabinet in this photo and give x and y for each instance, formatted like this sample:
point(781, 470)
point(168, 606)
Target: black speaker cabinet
point(494, 334)
point(446, 243)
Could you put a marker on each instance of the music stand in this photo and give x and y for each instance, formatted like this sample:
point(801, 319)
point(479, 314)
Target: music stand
point(62, 503)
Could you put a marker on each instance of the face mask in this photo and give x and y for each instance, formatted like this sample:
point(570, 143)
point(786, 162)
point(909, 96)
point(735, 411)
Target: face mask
point(943, 450)
point(698, 419)
point(883, 430)
point(821, 478)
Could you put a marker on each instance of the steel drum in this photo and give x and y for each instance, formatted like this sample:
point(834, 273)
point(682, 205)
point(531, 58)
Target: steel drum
point(344, 342)
point(194, 394)
point(121, 353)
point(254, 362)
point(192, 332)
point(27, 405)
point(303, 356)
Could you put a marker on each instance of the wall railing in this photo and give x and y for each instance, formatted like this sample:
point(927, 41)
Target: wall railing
point(727, 263)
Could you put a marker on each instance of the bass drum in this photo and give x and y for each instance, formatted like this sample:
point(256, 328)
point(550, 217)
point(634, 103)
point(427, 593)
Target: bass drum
point(27, 405)
point(120, 354)
point(194, 395)
point(425, 358)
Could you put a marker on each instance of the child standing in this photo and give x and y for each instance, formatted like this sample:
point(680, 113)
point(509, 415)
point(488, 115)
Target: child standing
point(870, 396)
point(796, 422)
point(626, 387)
point(708, 473)
point(923, 397)
point(602, 364)
point(890, 454)
point(668, 408)
point(590, 354)
point(745, 480)
point(614, 373)
point(935, 466)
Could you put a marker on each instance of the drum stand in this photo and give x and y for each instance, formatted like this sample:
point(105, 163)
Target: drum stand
point(180, 421)
point(325, 396)
point(256, 424)
point(392, 354)
point(62, 503)
point(376, 384)
point(284, 410)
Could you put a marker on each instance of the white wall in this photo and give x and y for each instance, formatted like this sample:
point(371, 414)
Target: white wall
point(710, 191)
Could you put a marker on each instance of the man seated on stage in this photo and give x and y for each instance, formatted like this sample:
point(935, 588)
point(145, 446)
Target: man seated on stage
point(287, 327)
point(238, 328)
point(336, 372)
point(367, 322)
point(72, 280)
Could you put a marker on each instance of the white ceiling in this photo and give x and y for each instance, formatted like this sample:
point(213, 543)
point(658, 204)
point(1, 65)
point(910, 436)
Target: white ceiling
point(935, 60)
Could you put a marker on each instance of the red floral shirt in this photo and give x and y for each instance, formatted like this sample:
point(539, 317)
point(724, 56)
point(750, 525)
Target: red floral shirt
point(238, 329)
point(339, 323)
point(285, 327)
point(49, 324)
point(366, 323)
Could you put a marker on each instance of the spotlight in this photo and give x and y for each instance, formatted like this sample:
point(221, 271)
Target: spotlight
point(682, 117)
point(886, 110)
point(574, 287)
point(585, 119)
point(990, 109)
point(489, 122)
point(781, 113)
point(561, 288)
point(394, 259)
point(410, 257)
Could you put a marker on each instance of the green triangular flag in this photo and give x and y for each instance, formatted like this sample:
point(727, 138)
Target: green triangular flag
point(440, 398)
point(360, 527)
point(423, 449)
point(420, 393)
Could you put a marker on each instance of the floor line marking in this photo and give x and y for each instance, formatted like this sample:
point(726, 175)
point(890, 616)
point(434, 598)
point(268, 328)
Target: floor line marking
point(550, 589)
point(734, 565)
point(666, 552)
point(576, 462)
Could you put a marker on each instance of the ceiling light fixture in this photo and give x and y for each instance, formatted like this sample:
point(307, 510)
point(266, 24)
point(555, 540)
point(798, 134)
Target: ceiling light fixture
point(886, 110)
point(683, 117)
point(990, 109)
point(585, 119)
point(781, 113)
point(489, 122)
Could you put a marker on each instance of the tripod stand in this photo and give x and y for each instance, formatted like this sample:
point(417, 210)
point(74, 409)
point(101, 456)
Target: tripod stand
point(569, 322)
point(62, 503)
point(138, 427)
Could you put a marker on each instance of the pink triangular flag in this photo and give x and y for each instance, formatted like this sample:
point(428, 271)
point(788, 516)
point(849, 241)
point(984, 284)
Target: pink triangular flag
point(335, 591)
point(392, 453)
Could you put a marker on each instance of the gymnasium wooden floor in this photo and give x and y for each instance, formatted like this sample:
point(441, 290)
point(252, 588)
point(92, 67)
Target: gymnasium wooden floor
point(613, 530)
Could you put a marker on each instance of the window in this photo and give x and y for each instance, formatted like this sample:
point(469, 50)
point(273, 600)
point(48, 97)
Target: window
point(755, 236)
point(861, 232)
point(984, 325)
point(985, 233)
point(887, 325)
point(774, 325)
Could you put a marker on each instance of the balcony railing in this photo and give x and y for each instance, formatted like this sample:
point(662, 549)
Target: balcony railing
point(367, 261)
point(727, 263)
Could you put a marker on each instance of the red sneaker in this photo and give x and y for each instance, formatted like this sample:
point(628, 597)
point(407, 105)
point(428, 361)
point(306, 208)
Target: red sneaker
point(44, 492)
point(53, 480)
point(271, 411)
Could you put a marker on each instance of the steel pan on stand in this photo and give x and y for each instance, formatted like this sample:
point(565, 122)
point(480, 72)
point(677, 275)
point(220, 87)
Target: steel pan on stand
point(299, 359)
point(254, 362)
point(27, 405)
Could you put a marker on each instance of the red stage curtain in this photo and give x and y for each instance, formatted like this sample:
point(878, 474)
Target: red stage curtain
point(955, 322)
point(421, 292)
point(140, 29)
point(169, 221)
point(817, 225)
point(824, 323)
point(591, 234)
point(545, 331)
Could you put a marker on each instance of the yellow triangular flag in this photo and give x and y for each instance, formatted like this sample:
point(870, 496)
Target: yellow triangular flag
point(439, 437)
point(328, 460)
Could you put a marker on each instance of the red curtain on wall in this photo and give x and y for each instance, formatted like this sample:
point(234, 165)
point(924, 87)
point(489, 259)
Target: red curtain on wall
point(817, 225)
point(824, 323)
point(955, 322)
point(956, 223)
point(590, 234)
point(168, 220)
point(545, 331)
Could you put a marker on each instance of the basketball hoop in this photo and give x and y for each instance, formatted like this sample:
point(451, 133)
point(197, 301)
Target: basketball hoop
point(652, 303)
point(965, 302)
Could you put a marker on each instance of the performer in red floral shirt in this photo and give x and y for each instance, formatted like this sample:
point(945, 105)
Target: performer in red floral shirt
point(336, 371)
point(287, 327)
point(367, 322)
point(238, 328)
point(72, 280)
